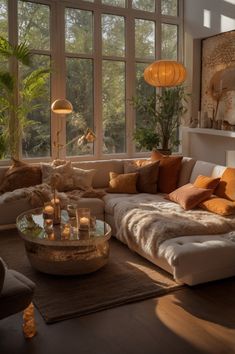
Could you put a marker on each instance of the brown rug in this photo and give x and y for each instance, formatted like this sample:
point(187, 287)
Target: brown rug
point(126, 278)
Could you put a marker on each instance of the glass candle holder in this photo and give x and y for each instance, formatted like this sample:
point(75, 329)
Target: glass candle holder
point(83, 216)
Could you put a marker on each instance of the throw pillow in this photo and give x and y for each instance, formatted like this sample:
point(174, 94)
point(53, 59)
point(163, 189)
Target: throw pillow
point(169, 170)
point(226, 187)
point(147, 175)
point(219, 206)
point(20, 175)
point(206, 182)
point(122, 183)
point(189, 196)
point(67, 177)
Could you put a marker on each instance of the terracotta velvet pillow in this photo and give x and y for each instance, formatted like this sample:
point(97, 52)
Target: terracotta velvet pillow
point(122, 183)
point(20, 175)
point(226, 187)
point(147, 176)
point(189, 196)
point(169, 170)
point(206, 182)
point(219, 206)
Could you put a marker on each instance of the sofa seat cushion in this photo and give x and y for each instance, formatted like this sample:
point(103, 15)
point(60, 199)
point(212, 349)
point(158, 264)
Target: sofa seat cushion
point(200, 258)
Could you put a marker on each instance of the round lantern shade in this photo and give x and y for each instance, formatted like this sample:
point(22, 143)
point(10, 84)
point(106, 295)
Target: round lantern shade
point(61, 106)
point(165, 73)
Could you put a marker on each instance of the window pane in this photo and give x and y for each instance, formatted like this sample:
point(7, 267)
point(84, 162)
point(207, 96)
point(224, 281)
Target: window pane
point(169, 42)
point(78, 31)
point(113, 99)
point(79, 87)
point(113, 35)
point(120, 3)
point(144, 39)
point(169, 7)
point(143, 90)
point(3, 19)
point(34, 24)
point(144, 5)
point(36, 137)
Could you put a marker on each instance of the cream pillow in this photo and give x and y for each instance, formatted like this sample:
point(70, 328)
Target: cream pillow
point(67, 177)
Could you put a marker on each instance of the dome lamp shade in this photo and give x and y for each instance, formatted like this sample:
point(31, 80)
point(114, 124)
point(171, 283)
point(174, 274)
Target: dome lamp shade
point(61, 106)
point(165, 73)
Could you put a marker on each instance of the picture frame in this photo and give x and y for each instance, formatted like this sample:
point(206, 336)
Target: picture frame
point(218, 82)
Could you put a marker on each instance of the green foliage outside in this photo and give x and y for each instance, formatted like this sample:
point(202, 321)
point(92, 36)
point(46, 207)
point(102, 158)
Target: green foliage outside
point(19, 97)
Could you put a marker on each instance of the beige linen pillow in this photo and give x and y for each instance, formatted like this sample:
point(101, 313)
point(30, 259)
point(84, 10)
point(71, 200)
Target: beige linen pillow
point(147, 175)
point(189, 196)
point(68, 178)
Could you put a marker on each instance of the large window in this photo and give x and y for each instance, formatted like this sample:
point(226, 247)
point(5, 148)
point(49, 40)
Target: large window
point(97, 51)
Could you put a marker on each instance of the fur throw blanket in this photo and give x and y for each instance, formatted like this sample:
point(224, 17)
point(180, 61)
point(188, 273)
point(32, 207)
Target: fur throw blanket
point(38, 195)
point(144, 224)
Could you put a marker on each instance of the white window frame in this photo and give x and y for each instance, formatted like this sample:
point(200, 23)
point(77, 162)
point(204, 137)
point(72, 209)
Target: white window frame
point(58, 56)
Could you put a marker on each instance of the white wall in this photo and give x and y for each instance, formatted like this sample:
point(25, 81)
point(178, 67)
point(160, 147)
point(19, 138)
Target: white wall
point(198, 25)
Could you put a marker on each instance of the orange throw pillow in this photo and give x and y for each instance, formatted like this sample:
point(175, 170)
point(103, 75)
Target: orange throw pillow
point(169, 170)
point(189, 196)
point(226, 187)
point(122, 183)
point(206, 182)
point(219, 206)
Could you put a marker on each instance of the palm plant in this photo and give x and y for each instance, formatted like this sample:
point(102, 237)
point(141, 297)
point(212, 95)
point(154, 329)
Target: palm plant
point(18, 97)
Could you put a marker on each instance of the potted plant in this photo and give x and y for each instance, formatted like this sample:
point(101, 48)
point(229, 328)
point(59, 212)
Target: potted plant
point(163, 112)
point(18, 97)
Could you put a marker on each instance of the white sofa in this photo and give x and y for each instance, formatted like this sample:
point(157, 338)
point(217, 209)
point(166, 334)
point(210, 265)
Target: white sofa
point(190, 259)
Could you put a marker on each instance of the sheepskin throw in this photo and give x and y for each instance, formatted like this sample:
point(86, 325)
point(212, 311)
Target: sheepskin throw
point(144, 223)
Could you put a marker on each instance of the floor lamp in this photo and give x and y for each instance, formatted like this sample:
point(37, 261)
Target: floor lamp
point(61, 107)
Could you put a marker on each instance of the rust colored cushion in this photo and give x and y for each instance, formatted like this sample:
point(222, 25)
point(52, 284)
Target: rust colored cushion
point(122, 183)
point(20, 175)
point(219, 206)
point(147, 175)
point(189, 196)
point(169, 170)
point(206, 182)
point(226, 187)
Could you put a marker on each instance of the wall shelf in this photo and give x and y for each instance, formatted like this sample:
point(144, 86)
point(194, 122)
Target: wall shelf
point(217, 132)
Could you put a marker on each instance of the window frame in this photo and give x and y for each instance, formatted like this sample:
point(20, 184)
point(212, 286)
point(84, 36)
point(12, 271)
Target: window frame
point(58, 57)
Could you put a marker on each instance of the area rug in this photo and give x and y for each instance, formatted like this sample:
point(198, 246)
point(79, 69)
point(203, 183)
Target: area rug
point(126, 278)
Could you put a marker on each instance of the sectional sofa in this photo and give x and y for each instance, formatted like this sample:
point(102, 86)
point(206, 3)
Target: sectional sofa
point(192, 256)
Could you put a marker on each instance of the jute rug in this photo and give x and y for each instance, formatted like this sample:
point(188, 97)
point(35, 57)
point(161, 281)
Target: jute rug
point(126, 278)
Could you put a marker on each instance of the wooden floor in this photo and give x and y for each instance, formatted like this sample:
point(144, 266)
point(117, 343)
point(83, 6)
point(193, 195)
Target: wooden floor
point(188, 321)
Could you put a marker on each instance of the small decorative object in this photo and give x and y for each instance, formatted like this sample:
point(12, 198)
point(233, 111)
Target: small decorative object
point(29, 325)
point(48, 226)
point(92, 222)
point(65, 230)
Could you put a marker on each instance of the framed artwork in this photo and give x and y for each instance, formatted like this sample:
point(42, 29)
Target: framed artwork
point(218, 82)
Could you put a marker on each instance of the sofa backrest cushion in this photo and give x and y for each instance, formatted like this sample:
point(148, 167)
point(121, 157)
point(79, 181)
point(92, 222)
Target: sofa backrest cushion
point(103, 168)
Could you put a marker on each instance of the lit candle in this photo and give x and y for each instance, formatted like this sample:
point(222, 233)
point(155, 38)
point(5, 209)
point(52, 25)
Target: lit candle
point(48, 209)
point(84, 222)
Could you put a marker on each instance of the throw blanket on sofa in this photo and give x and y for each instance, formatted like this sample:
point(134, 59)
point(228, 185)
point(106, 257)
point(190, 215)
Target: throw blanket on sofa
point(143, 224)
point(38, 195)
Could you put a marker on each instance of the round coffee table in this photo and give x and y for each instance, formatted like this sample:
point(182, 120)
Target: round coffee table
point(54, 254)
